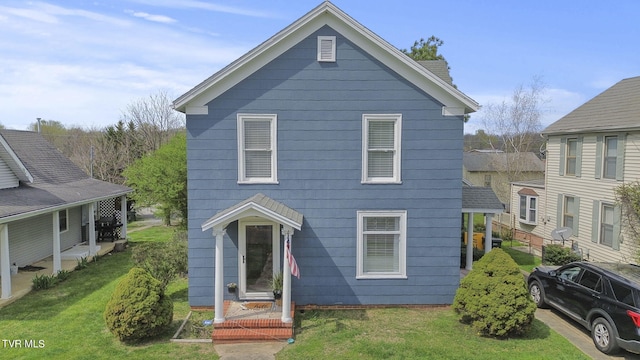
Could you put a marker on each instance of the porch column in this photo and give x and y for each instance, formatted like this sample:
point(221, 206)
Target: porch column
point(488, 236)
point(57, 263)
point(469, 241)
point(287, 231)
point(92, 229)
point(5, 270)
point(123, 216)
point(219, 276)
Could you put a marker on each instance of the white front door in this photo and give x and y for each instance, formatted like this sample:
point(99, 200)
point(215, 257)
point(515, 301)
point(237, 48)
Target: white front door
point(258, 258)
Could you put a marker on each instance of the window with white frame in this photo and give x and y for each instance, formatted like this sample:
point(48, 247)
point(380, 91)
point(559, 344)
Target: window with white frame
point(326, 48)
point(382, 244)
point(571, 157)
point(63, 218)
point(568, 212)
point(528, 209)
point(610, 157)
point(606, 225)
point(257, 148)
point(381, 135)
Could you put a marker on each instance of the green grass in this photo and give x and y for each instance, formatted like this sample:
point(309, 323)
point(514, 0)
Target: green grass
point(68, 317)
point(525, 261)
point(414, 334)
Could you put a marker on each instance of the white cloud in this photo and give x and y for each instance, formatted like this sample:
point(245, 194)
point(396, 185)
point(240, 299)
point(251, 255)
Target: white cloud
point(157, 18)
point(203, 5)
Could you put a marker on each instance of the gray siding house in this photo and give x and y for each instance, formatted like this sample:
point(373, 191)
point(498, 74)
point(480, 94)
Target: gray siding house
point(47, 204)
point(328, 141)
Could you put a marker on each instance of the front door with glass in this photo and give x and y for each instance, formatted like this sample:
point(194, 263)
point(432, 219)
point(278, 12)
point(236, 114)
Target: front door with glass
point(258, 256)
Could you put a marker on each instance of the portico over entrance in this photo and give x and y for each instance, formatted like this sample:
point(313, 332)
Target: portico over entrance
point(261, 222)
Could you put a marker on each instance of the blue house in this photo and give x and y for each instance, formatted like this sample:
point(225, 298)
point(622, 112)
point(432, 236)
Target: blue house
point(329, 140)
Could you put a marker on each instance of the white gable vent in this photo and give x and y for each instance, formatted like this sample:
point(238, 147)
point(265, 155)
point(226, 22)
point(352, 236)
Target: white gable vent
point(327, 48)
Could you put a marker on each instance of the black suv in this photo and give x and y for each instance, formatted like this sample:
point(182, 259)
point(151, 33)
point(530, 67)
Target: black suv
point(603, 297)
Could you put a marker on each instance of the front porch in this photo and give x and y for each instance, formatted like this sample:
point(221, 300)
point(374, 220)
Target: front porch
point(252, 321)
point(21, 283)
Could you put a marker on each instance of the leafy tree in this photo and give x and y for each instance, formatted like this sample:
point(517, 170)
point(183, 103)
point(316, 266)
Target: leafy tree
point(163, 260)
point(425, 50)
point(494, 298)
point(160, 178)
point(628, 199)
point(138, 307)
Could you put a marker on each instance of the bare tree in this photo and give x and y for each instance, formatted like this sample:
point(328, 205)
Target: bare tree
point(516, 124)
point(154, 120)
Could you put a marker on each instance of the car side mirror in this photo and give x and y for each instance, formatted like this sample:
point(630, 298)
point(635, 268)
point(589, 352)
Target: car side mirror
point(553, 273)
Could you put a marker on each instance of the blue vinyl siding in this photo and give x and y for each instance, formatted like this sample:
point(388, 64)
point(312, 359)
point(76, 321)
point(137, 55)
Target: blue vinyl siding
point(319, 108)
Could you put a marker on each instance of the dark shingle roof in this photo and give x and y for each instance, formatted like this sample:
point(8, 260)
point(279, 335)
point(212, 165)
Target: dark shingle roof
point(616, 108)
point(56, 180)
point(480, 199)
point(497, 161)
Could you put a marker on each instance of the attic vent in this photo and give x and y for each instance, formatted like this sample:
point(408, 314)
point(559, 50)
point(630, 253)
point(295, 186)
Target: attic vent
point(327, 48)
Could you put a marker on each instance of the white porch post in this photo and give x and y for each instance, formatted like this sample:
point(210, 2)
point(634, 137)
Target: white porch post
point(123, 216)
point(219, 276)
point(469, 241)
point(57, 263)
point(488, 236)
point(287, 231)
point(92, 229)
point(5, 270)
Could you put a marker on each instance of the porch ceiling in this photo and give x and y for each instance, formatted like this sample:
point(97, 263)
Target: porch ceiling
point(257, 205)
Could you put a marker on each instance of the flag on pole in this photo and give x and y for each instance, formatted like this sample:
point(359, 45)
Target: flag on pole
point(295, 271)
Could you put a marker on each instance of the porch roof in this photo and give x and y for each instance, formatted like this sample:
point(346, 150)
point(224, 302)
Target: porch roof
point(260, 205)
point(480, 200)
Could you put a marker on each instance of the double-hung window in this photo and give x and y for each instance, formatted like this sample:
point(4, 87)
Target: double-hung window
point(382, 244)
point(381, 135)
point(571, 158)
point(610, 157)
point(257, 148)
point(569, 212)
point(606, 225)
point(528, 209)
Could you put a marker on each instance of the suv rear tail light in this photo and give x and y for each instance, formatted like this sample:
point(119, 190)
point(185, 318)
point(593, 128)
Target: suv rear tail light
point(635, 317)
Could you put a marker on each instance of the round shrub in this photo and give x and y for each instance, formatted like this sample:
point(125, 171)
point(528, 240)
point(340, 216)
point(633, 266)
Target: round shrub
point(493, 297)
point(556, 254)
point(138, 307)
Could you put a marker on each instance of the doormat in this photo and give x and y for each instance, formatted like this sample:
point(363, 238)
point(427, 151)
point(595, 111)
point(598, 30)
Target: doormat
point(31, 268)
point(258, 305)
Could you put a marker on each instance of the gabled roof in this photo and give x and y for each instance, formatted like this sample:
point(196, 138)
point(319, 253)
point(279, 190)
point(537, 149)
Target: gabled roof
point(498, 161)
point(454, 101)
point(478, 199)
point(257, 205)
point(11, 159)
point(615, 109)
point(56, 182)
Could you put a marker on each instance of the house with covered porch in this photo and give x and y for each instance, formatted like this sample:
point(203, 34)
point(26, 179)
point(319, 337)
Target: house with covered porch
point(49, 207)
point(327, 143)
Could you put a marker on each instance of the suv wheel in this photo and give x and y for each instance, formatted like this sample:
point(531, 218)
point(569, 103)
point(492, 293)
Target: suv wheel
point(537, 293)
point(604, 336)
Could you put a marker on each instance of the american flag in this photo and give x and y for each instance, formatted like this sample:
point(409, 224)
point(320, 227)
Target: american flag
point(295, 271)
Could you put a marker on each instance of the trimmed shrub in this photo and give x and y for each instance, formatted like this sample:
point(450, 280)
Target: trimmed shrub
point(556, 254)
point(493, 298)
point(163, 260)
point(138, 307)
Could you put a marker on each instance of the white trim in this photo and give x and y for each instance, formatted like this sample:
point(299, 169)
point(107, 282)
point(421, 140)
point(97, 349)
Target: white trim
point(242, 253)
point(273, 128)
point(402, 245)
point(250, 209)
point(397, 148)
point(326, 14)
point(527, 220)
point(332, 55)
point(197, 110)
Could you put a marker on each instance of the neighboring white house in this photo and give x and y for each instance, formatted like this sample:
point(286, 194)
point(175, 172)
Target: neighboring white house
point(590, 152)
point(47, 204)
point(529, 218)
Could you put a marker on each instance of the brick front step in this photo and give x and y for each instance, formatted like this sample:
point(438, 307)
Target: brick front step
point(252, 324)
point(225, 335)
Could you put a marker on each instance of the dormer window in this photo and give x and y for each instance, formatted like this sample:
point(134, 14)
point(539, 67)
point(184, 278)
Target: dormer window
point(326, 48)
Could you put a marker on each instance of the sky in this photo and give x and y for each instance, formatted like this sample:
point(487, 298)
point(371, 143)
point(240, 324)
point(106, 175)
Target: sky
point(83, 62)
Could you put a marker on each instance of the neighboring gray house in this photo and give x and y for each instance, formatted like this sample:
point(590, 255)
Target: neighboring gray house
point(330, 139)
point(47, 203)
point(590, 152)
point(497, 169)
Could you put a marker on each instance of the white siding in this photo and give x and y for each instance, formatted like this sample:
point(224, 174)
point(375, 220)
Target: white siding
point(540, 228)
point(7, 178)
point(31, 239)
point(588, 188)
